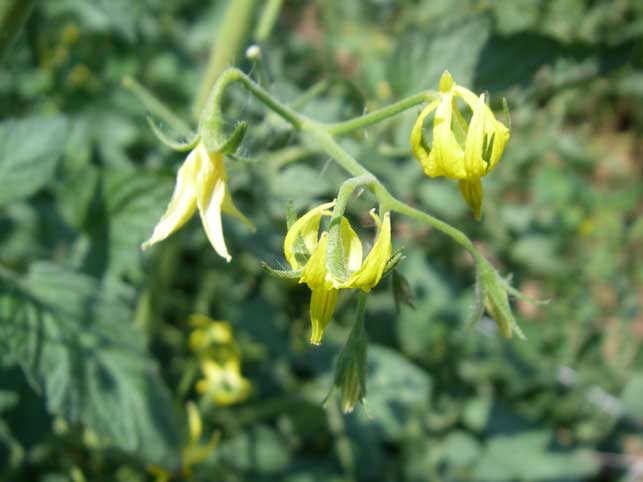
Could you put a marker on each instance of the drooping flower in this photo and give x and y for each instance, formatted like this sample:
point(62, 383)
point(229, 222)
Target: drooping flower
point(201, 183)
point(307, 253)
point(461, 150)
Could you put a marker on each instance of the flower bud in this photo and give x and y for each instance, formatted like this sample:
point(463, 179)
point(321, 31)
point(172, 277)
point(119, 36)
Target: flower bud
point(350, 372)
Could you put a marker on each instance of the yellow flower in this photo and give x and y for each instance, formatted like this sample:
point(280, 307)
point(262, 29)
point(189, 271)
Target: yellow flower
point(462, 151)
point(306, 251)
point(223, 381)
point(202, 182)
point(220, 358)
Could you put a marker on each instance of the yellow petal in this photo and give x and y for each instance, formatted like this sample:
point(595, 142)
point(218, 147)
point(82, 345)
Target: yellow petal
point(209, 199)
point(449, 156)
point(479, 133)
point(419, 147)
point(351, 245)
point(469, 97)
point(314, 273)
point(322, 306)
point(486, 121)
point(306, 226)
point(373, 267)
point(501, 137)
point(446, 82)
point(472, 194)
point(183, 202)
point(228, 207)
point(194, 422)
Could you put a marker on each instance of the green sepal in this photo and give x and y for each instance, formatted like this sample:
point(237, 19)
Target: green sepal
point(393, 261)
point(496, 300)
point(478, 309)
point(291, 214)
point(521, 296)
point(351, 367)
point(402, 292)
point(229, 145)
point(171, 143)
point(281, 273)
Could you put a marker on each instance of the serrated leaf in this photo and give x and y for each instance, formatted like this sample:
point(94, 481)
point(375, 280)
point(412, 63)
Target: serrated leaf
point(29, 151)
point(76, 343)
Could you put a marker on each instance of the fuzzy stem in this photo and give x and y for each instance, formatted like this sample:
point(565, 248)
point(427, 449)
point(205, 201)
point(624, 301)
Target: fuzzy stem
point(269, 16)
point(379, 115)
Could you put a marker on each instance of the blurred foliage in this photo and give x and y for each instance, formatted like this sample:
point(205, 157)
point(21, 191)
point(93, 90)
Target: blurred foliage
point(96, 366)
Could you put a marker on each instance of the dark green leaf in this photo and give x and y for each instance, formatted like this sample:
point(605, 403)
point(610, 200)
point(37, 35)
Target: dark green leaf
point(29, 151)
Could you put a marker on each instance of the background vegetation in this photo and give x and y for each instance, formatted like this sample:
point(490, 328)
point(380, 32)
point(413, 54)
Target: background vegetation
point(96, 364)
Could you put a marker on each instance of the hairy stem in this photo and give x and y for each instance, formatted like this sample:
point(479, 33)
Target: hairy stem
point(335, 249)
point(379, 115)
point(269, 16)
point(231, 33)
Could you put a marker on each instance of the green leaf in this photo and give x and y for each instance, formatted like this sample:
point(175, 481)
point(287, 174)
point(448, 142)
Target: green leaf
point(632, 396)
point(398, 392)
point(259, 449)
point(76, 344)
point(29, 150)
point(526, 456)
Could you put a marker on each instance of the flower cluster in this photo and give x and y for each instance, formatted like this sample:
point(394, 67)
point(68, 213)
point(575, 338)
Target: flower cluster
point(220, 359)
point(307, 253)
point(461, 150)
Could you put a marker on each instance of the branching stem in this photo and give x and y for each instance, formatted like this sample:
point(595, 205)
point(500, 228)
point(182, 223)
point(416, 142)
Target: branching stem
point(323, 135)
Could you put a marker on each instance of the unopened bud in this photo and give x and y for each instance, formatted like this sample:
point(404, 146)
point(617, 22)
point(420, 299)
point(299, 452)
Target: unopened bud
point(253, 52)
point(350, 372)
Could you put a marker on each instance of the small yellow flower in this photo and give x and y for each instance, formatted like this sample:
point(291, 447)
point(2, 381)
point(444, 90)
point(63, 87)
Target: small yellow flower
point(462, 151)
point(220, 359)
point(306, 251)
point(223, 381)
point(201, 183)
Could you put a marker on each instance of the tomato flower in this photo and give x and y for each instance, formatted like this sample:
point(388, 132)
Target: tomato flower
point(462, 151)
point(306, 252)
point(201, 183)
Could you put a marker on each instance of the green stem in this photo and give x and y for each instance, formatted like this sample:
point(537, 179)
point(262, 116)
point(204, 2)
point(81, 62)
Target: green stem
point(231, 33)
point(335, 249)
point(386, 199)
point(458, 236)
point(267, 20)
point(13, 15)
point(379, 115)
point(211, 121)
point(322, 135)
point(334, 150)
point(309, 94)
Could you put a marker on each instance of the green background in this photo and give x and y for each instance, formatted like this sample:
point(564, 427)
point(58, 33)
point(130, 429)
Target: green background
point(94, 363)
